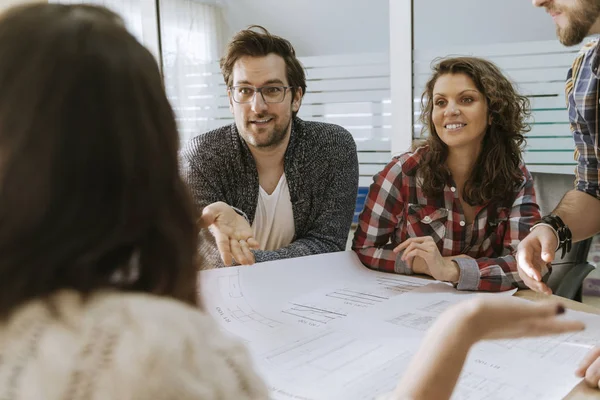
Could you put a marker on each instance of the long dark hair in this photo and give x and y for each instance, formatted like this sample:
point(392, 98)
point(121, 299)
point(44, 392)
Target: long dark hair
point(497, 171)
point(89, 180)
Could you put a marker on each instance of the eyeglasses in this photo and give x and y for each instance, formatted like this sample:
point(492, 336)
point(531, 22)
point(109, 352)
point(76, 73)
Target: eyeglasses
point(270, 94)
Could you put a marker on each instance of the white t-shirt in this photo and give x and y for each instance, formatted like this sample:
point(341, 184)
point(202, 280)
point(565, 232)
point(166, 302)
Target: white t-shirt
point(273, 224)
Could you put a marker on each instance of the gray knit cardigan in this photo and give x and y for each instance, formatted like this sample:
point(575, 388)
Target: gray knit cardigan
point(321, 168)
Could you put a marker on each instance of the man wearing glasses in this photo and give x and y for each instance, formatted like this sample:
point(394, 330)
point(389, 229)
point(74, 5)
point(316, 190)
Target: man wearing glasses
point(290, 184)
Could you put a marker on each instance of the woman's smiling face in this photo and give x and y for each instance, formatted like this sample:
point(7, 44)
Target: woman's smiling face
point(460, 111)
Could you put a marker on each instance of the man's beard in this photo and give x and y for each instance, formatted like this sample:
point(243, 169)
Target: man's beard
point(276, 137)
point(581, 19)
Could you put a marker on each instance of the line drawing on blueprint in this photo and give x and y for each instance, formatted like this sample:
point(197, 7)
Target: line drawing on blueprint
point(336, 365)
point(357, 296)
point(559, 349)
point(411, 320)
point(332, 303)
point(472, 386)
point(318, 315)
point(436, 308)
point(397, 284)
point(380, 380)
point(237, 307)
point(248, 316)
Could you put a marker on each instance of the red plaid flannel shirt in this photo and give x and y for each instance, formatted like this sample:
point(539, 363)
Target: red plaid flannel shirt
point(396, 209)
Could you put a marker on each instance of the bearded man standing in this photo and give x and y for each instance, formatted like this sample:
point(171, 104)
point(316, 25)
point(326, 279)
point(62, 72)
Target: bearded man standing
point(577, 217)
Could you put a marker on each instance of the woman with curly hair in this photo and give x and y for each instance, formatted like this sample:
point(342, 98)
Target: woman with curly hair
point(457, 206)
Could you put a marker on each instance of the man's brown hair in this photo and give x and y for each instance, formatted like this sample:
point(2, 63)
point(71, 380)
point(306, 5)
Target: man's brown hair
point(260, 43)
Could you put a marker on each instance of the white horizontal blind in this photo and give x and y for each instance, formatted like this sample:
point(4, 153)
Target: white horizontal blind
point(538, 70)
point(191, 34)
point(352, 91)
point(197, 94)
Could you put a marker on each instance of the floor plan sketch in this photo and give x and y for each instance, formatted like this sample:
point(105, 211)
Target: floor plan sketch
point(473, 386)
point(437, 307)
point(410, 320)
point(332, 365)
point(326, 328)
point(332, 303)
point(316, 315)
point(227, 301)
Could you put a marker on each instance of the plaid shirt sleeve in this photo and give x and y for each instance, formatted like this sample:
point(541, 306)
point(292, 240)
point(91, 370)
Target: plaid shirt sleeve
point(377, 223)
point(582, 84)
point(500, 274)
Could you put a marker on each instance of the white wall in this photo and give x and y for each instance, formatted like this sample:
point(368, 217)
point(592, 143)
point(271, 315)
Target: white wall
point(438, 23)
point(401, 85)
point(316, 27)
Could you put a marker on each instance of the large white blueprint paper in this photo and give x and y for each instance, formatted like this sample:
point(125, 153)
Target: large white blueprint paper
point(508, 369)
point(264, 300)
point(325, 327)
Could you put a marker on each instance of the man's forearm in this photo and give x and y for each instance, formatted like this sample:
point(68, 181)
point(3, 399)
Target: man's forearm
point(581, 212)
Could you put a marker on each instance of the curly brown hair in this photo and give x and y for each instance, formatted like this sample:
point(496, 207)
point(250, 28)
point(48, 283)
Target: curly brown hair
point(496, 172)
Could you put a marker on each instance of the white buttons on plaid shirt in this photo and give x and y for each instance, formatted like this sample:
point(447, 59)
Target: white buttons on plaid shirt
point(462, 223)
point(427, 219)
point(453, 189)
